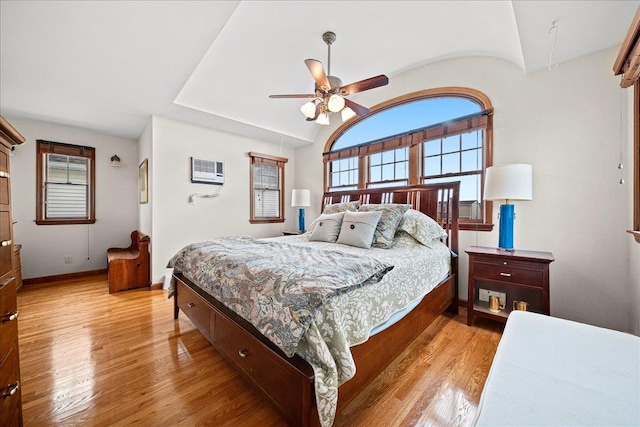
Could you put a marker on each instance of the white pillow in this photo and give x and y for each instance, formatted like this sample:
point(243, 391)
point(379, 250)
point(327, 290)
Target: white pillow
point(335, 208)
point(358, 228)
point(327, 228)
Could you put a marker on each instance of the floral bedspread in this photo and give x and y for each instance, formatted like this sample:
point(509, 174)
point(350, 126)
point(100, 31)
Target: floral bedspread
point(346, 319)
point(276, 286)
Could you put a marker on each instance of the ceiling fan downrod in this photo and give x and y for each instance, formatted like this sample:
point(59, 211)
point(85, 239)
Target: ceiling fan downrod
point(329, 37)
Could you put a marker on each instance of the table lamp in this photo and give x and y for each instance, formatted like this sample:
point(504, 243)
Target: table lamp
point(508, 183)
point(300, 198)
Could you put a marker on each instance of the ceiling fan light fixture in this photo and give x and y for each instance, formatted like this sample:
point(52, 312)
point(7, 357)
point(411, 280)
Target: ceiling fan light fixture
point(347, 113)
point(336, 103)
point(323, 119)
point(309, 109)
point(330, 95)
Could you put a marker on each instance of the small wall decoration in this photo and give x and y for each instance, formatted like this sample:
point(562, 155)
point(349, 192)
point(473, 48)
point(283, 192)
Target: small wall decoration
point(143, 182)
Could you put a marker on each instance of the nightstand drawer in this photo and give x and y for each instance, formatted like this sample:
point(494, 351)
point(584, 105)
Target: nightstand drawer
point(509, 271)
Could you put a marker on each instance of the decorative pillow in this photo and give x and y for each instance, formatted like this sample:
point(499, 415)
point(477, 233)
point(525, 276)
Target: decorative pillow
point(358, 228)
point(421, 227)
point(341, 207)
point(335, 208)
point(327, 228)
point(391, 216)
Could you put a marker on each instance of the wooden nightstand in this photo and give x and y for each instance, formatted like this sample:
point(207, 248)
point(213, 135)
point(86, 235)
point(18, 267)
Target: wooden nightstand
point(292, 233)
point(520, 275)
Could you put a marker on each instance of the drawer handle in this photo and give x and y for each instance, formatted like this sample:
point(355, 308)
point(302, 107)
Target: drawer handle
point(6, 282)
point(9, 317)
point(243, 353)
point(5, 243)
point(505, 274)
point(12, 389)
point(191, 305)
point(4, 174)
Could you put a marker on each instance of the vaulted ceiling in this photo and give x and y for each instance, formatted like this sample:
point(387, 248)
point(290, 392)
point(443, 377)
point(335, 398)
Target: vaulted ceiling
point(109, 66)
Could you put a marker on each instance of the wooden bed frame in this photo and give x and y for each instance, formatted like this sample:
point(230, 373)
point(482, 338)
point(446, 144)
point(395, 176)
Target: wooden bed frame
point(288, 382)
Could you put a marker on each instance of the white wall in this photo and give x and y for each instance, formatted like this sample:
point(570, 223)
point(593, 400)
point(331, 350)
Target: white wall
point(45, 246)
point(565, 123)
point(175, 223)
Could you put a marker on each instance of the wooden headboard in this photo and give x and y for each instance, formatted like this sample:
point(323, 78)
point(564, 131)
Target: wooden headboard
point(439, 201)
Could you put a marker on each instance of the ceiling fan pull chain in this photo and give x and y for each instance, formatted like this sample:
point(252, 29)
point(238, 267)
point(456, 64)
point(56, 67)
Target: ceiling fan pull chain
point(553, 46)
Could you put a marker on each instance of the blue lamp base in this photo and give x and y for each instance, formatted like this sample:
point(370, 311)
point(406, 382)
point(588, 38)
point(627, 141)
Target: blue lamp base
point(505, 240)
point(301, 220)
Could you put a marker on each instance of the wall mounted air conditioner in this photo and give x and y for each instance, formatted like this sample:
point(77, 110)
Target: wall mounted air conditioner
point(207, 171)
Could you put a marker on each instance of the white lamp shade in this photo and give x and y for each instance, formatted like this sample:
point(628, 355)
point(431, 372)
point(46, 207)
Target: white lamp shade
point(336, 103)
point(300, 198)
point(347, 113)
point(509, 182)
point(309, 109)
point(323, 119)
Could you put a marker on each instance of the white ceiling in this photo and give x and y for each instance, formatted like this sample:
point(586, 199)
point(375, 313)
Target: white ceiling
point(107, 66)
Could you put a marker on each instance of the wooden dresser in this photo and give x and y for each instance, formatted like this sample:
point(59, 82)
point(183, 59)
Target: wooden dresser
point(10, 395)
point(17, 265)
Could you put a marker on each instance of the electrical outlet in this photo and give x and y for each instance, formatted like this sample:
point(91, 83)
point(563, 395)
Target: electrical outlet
point(67, 259)
point(484, 294)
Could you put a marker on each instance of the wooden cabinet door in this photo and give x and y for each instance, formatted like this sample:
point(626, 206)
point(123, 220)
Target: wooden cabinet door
point(5, 213)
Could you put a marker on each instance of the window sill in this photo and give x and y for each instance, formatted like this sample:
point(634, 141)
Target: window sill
point(64, 221)
point(265, 221)
point(469, 226)
point(635, 234)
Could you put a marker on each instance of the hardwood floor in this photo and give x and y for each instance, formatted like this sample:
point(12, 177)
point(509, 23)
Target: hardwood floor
point(92, 358)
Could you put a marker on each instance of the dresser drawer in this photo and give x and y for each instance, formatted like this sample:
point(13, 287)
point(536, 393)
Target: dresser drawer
point(9, 387)
point(521, 272)
point(16, 421)
point(8, 318)
point(195, 308)
point(260, 363)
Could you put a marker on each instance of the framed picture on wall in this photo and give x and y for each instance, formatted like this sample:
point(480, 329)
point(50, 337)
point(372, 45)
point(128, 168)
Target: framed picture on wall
point(143, 182)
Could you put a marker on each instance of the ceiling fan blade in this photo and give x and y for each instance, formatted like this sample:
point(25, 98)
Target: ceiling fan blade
point(315, 67)
point(318, 111)
point(301, 95)
point(357, 108)
point(363, 85)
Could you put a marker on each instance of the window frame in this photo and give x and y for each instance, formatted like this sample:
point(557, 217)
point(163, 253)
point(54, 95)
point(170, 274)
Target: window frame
point(51, 147)
point(266, 159)
point(636, 161)
point(415, 156)
point(627, 65)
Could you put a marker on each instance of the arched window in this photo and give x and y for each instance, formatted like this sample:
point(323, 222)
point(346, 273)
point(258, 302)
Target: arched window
point(431, 136)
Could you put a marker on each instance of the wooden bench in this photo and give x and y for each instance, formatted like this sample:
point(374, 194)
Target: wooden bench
point(128, 268)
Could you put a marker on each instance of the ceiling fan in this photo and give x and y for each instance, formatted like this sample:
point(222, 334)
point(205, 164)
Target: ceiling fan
point(330, 95)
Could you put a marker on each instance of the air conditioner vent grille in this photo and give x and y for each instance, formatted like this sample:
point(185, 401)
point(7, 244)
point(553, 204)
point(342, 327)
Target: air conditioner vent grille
point(207, 171)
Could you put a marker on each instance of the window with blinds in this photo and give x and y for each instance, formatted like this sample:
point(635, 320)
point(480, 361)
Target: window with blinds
point(267, 184)
point(266, 190)
point(66, 176)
